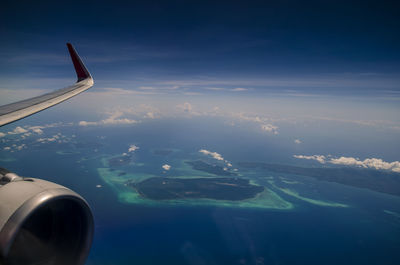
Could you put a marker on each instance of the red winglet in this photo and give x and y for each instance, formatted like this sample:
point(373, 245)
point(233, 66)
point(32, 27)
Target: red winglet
point(81, 71)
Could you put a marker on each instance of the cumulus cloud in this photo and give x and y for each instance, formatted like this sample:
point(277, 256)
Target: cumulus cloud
point(297, 141)
point(214, 155)
point(166, 167)
point(18, 130)
point(20, 147)
point(239, 89)
point(270, 128)
point(2, 134)
point(46, 140)
point(15, 147)
point(57, 138)
point(114, 119)
point(88, 123)
point(375, 163)
point(319, 158)
point(36, 129)
point(133, 148)
point(150, 115)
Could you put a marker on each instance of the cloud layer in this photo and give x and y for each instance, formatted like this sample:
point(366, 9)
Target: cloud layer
point(113, 119)
point(375, 163)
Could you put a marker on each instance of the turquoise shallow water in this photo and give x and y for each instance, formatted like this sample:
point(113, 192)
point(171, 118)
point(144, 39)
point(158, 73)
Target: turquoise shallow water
point(328, 223)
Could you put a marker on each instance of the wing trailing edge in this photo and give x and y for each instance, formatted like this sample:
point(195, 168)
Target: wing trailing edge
point(21, 109)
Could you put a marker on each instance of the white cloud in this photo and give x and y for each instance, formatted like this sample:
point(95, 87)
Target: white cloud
point(150, 115)
point(239, 89)
point(55, 138)
point(133, 148)
point(88, 123)
point(15, 147)
point(18, 130)
point(2, 134)
point(375, 163)
point(46, 140)
point(297, 141)
point(20, 147)
point(36, 129)
point(166, 167)
point(270, 128)
point(118, 121)
point(114, 119)
point(319, 158)
point(214, 155)
point(112, 91)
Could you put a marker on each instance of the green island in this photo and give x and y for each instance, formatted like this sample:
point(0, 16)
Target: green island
point(210, 168)
point(233, 189)
point(375, 180)
point(119, 161)
point(122, 183)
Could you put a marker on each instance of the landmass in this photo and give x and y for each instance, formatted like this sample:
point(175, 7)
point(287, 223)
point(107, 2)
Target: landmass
point(380, 181)
point(119, 161)
point(233, 189)
point(209, 168)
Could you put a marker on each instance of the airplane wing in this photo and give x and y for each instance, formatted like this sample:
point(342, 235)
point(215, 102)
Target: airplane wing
point(21, 109)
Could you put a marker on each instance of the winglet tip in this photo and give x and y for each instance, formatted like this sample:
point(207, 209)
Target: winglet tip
point(80, 69)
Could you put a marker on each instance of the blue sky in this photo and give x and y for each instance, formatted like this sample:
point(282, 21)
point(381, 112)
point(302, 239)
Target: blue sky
point(319, 47)
point(329, 69)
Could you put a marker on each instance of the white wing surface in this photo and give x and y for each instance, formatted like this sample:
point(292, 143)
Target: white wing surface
point(21, 109)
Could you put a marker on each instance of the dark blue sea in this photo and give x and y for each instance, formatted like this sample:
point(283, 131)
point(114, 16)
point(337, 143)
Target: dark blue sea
point(362, 233)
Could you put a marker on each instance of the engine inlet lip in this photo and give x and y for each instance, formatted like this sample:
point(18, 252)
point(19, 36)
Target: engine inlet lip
point(17, 219)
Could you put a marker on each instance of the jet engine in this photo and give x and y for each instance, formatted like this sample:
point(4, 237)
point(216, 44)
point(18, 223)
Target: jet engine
point(42, 222)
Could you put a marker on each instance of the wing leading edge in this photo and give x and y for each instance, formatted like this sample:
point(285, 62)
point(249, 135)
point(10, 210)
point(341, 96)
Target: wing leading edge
point(21, 109)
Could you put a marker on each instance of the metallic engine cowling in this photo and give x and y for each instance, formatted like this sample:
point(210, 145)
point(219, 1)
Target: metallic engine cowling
point(43, 223)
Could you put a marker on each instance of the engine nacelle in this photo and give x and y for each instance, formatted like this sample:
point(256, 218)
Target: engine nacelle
point(42, 223)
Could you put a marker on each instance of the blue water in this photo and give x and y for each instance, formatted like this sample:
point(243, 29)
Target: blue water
point(138, 234)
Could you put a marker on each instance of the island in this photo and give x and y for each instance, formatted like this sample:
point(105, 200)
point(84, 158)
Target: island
point(209, 168)
point(232, 189)
point(119, 161)
point(376, 180)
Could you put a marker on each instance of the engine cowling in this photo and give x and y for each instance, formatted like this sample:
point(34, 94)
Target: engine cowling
point(42, 223)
